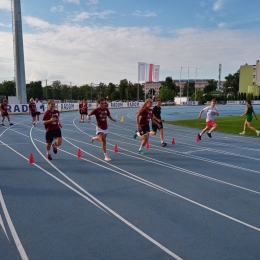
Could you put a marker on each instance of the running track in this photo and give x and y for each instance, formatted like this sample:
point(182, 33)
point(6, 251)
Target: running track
point(184, 201)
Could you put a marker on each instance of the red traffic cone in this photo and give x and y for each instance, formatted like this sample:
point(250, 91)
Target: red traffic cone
point(116, 149)
point(147, 145)
point(79, 155)
point(197, 139)
point(173, 141)
point(31, 159)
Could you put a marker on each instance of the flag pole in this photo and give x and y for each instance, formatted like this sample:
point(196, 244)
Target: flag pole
point(138, 83)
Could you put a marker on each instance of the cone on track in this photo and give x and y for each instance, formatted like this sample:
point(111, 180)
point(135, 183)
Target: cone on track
point(79, 155)
point(122, 119)
point(197, 139)
point(173, 141)
point(116, 149)
point(31, 158)
point(147, 145)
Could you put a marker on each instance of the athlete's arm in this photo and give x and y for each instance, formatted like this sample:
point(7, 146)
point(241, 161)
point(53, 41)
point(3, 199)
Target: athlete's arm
point(111, 118)
point(254, 114)
point(245, 112)
point(200, 113)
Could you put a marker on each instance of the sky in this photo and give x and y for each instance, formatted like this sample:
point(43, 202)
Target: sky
point(84, 41)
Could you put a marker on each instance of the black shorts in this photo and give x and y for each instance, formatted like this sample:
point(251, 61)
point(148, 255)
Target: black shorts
point(5, 114)
point(155, 127)
point(50, 135)
point(84, 113)
point(33, 114)
point(145, 130)
point(38, 113)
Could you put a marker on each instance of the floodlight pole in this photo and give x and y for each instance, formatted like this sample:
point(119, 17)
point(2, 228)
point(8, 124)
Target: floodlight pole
point(18, 52)
point(195, 81)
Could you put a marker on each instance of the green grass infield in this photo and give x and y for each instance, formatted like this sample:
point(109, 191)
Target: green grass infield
point(230, 124)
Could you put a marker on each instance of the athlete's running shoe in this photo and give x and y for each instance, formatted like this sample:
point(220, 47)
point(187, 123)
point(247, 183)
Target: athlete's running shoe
point(3, 124)
point(49, 156)
point(107, 158)
point(91, 139)
point(163, 144)
point(54, 148)
point(11, 124)
point(141, 152)
point(135, 135)
point(257, 133)
point(199, 136)
point(242, 133)
point(209, 134)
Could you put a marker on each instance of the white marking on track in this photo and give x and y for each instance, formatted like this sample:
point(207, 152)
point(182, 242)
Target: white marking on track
point(12, 229)
point(3, 227)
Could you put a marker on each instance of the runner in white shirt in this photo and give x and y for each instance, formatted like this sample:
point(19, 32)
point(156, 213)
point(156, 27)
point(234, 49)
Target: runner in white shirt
point(212, 111)
point(39, 105)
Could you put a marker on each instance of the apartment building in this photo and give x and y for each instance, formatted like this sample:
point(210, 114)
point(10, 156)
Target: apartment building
point(249, 79)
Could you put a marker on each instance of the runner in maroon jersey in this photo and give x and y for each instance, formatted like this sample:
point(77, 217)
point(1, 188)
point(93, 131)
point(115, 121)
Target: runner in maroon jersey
point(143, 117)
point(4, 112)
point(52, 127)
point(32, 110)
point(101, 113)
point(80, 111)
point(84, 109)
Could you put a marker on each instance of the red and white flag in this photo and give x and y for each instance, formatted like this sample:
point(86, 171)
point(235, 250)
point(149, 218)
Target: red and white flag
point(141, 71)
point(148, 72)
point(156, 72)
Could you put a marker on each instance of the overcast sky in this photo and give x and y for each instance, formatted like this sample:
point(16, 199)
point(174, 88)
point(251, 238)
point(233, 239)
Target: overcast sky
point(84, 41)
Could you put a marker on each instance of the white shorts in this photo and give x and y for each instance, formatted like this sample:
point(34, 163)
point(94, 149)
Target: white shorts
point(99, 130)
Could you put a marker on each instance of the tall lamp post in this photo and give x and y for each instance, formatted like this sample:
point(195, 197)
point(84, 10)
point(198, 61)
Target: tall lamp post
point(195, 81)
point(180, 83)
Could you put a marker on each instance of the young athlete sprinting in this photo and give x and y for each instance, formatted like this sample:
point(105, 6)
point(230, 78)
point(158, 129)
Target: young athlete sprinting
point(157, 123)
point(143, 117)
point(101, 113)
point(52, 125)
point(212, 111)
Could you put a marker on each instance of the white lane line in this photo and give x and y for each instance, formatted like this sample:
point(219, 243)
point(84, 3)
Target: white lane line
point(64, 183)
point(196, 203)
point(111, 211)
point(12, 229)
point(152, 160)
point(167, 165)
point(3, 227)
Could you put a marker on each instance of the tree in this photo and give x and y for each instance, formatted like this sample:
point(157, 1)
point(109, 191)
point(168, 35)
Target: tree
point(8, 88)
point(171, 85)
point(122, 88)
point(191, 88)
point(109, 90)
point(34, 90)
point(231, 86)
point(200, 96)
point(115, 95)
point(212, 86)
point(165, 93)
point(56, 87)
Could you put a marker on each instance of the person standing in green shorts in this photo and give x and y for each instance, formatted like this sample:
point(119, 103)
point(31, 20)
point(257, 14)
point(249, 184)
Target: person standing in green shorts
point(249, 117)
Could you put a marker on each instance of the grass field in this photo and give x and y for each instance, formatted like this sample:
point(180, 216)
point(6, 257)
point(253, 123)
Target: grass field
point(231, 124)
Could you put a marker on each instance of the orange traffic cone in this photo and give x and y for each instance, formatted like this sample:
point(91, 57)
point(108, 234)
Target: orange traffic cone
point(31, 159)
point(79, 154)
point(197, 139)
point(147, 145)
point(173, 141)
point(116, 149)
